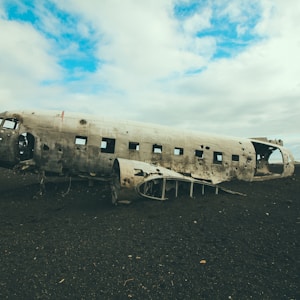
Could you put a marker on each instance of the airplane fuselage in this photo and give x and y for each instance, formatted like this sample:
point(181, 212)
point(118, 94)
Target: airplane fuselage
point(80, 145)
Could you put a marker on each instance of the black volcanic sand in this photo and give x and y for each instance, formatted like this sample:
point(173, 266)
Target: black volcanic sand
point(79, 246)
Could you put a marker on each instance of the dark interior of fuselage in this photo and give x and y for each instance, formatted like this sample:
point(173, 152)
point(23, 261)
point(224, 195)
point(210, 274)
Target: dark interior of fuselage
point(26, 146)
point(268, 160)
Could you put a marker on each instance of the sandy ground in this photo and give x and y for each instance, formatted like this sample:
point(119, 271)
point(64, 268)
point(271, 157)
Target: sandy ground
point(79, 246)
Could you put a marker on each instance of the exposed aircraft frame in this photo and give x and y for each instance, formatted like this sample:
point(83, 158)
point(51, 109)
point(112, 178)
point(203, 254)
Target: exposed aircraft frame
point(137, 158)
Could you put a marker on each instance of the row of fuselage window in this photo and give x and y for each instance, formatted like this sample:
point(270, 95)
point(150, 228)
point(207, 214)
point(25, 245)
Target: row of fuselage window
point(108, 146)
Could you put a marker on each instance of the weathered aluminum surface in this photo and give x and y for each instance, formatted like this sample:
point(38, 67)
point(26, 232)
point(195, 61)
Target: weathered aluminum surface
point(78, 145)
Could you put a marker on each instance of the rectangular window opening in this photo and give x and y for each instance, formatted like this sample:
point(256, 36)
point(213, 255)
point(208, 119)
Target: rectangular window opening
point(235, 157)
point(11, 124)
point(80, 140)
point(199, 153)
point(108, 145)
point(178, 151)
point(134, 146)
point(218, 157)
point(157, 148)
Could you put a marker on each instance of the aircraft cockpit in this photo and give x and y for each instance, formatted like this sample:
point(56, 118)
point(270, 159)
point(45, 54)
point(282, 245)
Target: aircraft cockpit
point(9, 123)
point(14, 146)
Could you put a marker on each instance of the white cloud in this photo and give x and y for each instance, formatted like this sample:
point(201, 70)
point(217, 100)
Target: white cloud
point(25, 52)
point(141, 40)
point(25, 63)
point(198, 22)
point(150, 62)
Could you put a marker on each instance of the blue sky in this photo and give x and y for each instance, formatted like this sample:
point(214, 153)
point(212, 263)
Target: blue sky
point(228, 67)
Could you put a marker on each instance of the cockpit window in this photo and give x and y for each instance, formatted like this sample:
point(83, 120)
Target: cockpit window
point(11, 123)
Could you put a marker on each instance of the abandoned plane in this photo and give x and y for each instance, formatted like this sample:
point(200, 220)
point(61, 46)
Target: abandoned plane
point(137, 159)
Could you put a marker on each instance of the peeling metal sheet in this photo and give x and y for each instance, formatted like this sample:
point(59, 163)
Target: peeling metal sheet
point(132, 178)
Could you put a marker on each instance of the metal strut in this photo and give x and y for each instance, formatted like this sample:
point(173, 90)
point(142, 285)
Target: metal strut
point(42, 178)
point(152, 190)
